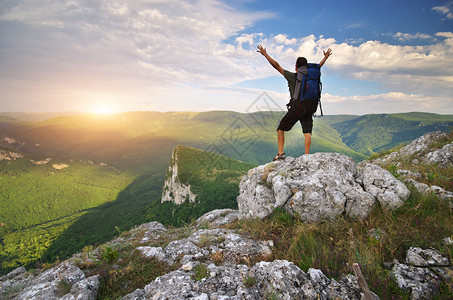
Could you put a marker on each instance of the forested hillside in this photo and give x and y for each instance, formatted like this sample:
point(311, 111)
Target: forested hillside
point(41, 197)
point(374, 133)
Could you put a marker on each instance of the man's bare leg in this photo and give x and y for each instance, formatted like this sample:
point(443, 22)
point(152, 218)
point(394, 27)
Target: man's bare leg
point(281, 142)
point(307, 142)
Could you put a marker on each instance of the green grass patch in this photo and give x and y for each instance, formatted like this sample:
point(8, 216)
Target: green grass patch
point(126, 273)
point(123, 269)
point(200, 272)
point(249, 281)
point(63, 287)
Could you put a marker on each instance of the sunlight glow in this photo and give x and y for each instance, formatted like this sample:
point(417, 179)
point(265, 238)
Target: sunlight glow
point(103, 109)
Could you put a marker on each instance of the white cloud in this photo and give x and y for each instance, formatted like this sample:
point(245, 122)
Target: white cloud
point(355, 26)
point(444, 10)
point(123, 45)
point(448, 35)
point(410, 68)
point(283, 39)
point(173, 35)
point(407, 36)
point(384, 103)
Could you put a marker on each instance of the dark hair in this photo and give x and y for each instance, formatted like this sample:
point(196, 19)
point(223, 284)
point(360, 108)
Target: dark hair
point(301, 61)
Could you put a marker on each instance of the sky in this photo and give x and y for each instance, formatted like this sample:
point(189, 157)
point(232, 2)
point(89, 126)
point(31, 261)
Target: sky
point(109, 56)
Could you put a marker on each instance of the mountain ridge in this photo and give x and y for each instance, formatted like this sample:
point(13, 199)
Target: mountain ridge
point(196, 130)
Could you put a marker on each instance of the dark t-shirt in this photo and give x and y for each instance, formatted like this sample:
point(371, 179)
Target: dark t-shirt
point(291, 78)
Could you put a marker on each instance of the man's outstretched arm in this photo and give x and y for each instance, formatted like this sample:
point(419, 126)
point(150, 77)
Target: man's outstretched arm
point(326, 56)
point(270, 59)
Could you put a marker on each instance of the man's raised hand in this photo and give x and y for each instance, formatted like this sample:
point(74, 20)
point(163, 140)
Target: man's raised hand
point(327, 53)
point(270, 59)
point(261, 50)
point(326, 56)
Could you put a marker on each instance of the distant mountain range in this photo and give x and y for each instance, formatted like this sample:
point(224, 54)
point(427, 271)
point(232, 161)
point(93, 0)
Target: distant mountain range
point(118, 164)
point(374, 133)
point(137, 139)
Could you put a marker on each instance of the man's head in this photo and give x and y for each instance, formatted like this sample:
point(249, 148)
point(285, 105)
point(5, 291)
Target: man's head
point(301, 61)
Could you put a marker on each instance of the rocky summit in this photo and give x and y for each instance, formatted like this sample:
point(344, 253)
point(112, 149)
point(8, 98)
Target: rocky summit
point(317, 187)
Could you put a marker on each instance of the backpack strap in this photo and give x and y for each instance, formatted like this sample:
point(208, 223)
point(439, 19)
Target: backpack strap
point(296, 92)
point(320, 107)
point(303, 88)
point(320, 89)
point(301, 80)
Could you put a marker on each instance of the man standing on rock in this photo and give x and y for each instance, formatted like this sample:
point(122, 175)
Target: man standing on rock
point(291, 117)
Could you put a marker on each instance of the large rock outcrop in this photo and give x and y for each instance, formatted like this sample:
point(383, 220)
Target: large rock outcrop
point(422, 272)
point(319, 187)
point(208, 262)
point(173, 190)
point(65, 281)
point(431, 149)
point(279, 279)
point(225, 260)
point(423, 149)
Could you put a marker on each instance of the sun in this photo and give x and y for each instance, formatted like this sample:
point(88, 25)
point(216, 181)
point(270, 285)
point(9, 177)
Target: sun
point(103, 109)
